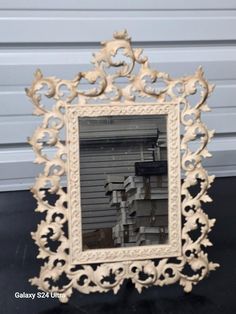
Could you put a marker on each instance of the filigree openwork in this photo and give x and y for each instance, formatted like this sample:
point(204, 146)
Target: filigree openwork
point(145, 86)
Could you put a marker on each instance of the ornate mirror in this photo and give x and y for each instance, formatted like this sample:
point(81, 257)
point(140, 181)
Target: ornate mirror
point(111, 191)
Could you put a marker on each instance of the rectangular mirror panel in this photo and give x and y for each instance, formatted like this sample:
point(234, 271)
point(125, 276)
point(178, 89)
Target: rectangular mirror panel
point(124, 181)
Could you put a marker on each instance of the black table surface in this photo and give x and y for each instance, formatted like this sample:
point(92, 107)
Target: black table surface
point(216, 294)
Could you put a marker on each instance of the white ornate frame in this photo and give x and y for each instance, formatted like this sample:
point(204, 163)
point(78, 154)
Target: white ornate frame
point(60, 114)
point(173, 248)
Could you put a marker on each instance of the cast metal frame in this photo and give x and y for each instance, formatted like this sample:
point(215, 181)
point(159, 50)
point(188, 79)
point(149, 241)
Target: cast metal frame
point(67, 98)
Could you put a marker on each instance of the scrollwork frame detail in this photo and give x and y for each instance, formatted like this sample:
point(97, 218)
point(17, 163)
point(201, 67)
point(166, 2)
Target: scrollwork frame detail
point(173, 248)
point(176, 92)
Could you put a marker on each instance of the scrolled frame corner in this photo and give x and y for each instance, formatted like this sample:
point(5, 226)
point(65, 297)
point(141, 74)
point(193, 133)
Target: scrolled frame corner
point(88, 278)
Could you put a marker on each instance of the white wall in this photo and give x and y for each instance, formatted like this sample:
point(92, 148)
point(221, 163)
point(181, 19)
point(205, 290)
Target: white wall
point(60, 36)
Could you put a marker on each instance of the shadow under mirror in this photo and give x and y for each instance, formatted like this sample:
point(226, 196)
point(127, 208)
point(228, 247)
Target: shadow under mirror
point(124, 181)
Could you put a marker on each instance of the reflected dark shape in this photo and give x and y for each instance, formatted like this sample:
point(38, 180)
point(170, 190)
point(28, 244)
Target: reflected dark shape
point(124, 182)
point(150, 168)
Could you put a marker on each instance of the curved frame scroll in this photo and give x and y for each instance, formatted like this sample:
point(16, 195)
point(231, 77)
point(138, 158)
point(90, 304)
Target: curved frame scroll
point(151, 86)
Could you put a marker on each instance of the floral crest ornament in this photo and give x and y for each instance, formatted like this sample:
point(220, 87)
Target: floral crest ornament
point(58, 106)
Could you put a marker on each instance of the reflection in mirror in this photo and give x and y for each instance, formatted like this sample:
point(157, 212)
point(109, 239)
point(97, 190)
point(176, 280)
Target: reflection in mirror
point(123, 177)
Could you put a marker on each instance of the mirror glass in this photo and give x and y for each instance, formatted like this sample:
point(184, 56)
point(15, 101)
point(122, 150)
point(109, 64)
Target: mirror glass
point(124, 181)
